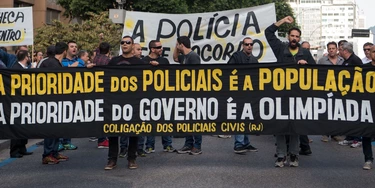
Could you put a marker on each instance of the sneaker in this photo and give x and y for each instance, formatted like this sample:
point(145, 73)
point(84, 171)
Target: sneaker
point(367, 165)
point(293, 161)
point(60, 148)
point(183, 150)
point(224, 136)
point(356, 144)
point(50, 160)
point(141, 153)
point(240, 150)
point(345, 142)
point(169, 149)
point(337, 138)
point(150, 150)
point(251, 148)
point(325, 138)
point(61, 157)
point(70, 147)
point(104, 144)
point(123, 152)
point(93, 139)
point(132, 164)
point(110, 165)
point(305, 152)
point(195, 151)
point(280, 162)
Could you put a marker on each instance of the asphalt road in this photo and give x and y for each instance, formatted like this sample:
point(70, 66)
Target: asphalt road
point(330, 165)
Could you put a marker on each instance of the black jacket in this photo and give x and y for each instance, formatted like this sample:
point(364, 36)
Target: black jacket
point(281, 49)
point(241, 58)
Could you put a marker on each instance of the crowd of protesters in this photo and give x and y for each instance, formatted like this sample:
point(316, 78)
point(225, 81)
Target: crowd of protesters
point(288, 147)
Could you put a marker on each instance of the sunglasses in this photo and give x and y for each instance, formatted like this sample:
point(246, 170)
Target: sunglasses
point(366, 49)
point(157, 47)
point(126, 42)
point(248, 44)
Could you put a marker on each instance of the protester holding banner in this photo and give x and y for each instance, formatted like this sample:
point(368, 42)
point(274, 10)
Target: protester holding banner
point(241, 142)
point(51, 145)
point(287, 53)
point(18, 146)
point(184, 55)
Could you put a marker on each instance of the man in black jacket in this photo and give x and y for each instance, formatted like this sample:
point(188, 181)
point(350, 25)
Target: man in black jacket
point(290, 52)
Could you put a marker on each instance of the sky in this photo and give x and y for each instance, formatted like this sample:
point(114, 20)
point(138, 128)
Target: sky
point(367, 6)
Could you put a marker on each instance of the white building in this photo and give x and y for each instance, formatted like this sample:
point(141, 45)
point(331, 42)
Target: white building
point(323, 21)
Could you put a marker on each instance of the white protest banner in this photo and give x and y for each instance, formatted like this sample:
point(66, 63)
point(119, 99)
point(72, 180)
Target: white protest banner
point(16, 26)
point(215, 36)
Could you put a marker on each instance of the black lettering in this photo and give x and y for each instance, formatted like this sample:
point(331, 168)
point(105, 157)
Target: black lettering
point(160, 27)
point(226, 21)
point(196, 31)
point(196, 49)
point(11, 17)
point(210, 26)
point(228, 51)
point(217, 48)
point(251, 15)
point(209, 49)
point(189, 25)
point(261, 48)
point(235, 23)
point(141, 33)
point(165, 49)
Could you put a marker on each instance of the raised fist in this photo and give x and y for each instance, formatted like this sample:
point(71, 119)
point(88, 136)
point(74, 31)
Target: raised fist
point(288, 19)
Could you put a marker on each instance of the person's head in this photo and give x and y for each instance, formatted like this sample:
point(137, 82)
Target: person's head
point(61, 48)
point(366, 49)
point(339, 46)
point(23, 47)
point(247, 44)
point(127, 45)
point(137, 50)
point(183, 42)
point(104, 48)
point(294, 36)
point(72, 49)
point(332, 49)
point(346, 50)
point(50, 51)
point(372, 54)
point(23, 56)
point(155, 47)
point(38, 56)
point(84, 55)
point(305, 45)
point(4, 49)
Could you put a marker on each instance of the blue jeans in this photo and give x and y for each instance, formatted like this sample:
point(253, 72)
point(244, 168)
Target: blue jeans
point(124, 140)
point(241, 141)
point(193, 141)
point(51, 146)
point(141, 142)
point(64, 141)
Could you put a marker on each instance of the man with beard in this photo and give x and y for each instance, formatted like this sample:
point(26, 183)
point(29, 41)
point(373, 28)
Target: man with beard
point(290, 52)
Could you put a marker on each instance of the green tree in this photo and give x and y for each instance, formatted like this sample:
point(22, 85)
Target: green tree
point(85, 34)
point(83, 8)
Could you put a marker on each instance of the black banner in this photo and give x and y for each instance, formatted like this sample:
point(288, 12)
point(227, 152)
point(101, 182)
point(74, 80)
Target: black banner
point(184, 100)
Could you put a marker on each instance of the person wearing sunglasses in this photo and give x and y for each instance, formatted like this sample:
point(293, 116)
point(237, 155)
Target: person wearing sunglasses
point(246, 55)
point(290, 52)
point(155, 55)
point(127, 57)
point(366, 49)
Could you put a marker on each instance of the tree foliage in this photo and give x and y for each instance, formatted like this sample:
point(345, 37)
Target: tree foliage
point(85, 34)
point(83, 8)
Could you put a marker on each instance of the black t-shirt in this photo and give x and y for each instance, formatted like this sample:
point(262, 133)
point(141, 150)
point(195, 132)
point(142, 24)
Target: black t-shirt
point(50, 62)
point(353, 60)
point(121, 60)
point(160, 60)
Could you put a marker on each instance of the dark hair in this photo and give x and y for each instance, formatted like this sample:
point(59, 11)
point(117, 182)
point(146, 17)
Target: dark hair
point(368, 44)
point(22, 54)
point(295, 28)
point(151, 44)
point(4, 49)
point(304, 42)
point(127, 36)
point(243, 41)
point(71, 41)
point(332, 43)
point(104, 47)
point(50, 51)
point(185, 41)
point(19, 47)
point(60, 47)
point(81, 53)
point(341, 42)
